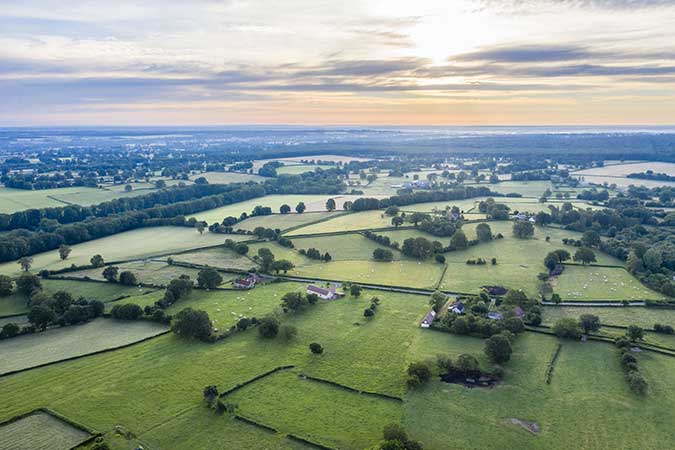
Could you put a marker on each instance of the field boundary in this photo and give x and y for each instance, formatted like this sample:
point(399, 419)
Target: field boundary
point(73, 358)
point(551, 365)
point(325, 219)
point(255, 423)
point(338, 233)
point(350, 389)
point(254, 379)
point(302, 440)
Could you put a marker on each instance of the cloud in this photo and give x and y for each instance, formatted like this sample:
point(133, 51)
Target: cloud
point(527, 53)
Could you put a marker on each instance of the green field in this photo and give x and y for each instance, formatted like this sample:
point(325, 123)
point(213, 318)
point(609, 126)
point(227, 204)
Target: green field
point(59, 343)
point(218, 257)
point(273, 201)
point(150, 272)
point(353, 221)
point(17, 303)
point(228, 177)
point(343, 247)
point(641, 316)
point(283, 221)
point(525, 188)
point(169, 412)
point(40, 431)
point(601, 283)
point(140, 243)
point(297, 169)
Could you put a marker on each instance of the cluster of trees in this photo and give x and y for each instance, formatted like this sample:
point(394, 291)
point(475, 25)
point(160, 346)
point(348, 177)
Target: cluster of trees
point(296, 301)
point(494, 210)
point(177, 289)
point(268, 263)
point(113, 275)
point(629, 364)
point(365, 203)
point(58, 309)
point(372, 309)
point(209, 278)
point(383, 254)
point(313, 253)
point(523, 229)
point(36, 181)
point(238, 247)
point(192, 323)
point(395, 438)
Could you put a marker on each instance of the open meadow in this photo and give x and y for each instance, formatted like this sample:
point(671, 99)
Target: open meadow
point(135, 244)
point(273, 201)
point(40, 431)
point(367, 354)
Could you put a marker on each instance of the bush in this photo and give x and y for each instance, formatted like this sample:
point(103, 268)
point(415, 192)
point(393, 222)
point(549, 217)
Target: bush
point(665, 329)
point(316, 348)
point(192, 323)
point(9, 330)
point(567, 328)
point(128, 311)
point(498, 349)
point(268, 327)
point(208, 279)
point(439, 258)
point(418, 373)
point(467, 363)
point(128, 278)
point(637, 382)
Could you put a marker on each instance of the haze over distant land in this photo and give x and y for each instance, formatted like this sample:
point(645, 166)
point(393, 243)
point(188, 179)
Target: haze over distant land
point(537, 62)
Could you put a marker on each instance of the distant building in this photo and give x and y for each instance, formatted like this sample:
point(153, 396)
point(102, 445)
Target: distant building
point(417, 184)
point(330, 293)
point(457, 308)
point(494, 315)
point(247, 283)
point(428, 319)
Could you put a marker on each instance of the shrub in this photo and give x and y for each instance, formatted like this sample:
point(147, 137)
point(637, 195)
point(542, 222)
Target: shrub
point(192, 323)
point(128, 278)
point(567, 328)
point(9, 330)
point(128, 311)
point(498, 349)
point(316, 348)
point(467, 363)
point(418, 373)
point(439, 258)
point(637, 382)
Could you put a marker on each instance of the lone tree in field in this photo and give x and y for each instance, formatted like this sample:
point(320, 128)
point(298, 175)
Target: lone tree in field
point(458, 241)
point(589, 323)
point(200, 226)
point(208, 278)
point(355, 290)
point(567, 327)
point(584, 256)
point(268, 327)
point(284, 209)
point(635, 333)
point(300, 208)
point(392, 210)
point(128, 278)
point(383, 254)
point(316, 348)
point(484, 232)
point(64, 251)
point(330, 205)
point(523, 229)
point(110, 273)
point(97, 261)
point(498, 349)
point(397, 221)
point(192, 323)
point(25, 263)
point(210, 394)
point(418, 374)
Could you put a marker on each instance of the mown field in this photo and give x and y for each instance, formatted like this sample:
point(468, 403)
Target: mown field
point(297, 169)
point(640, 316)
point(161, 399)
point(60, 343)
point(284, 221)
point(228, 177)
point(140, 243)
point(347, 222)
point(40, 431)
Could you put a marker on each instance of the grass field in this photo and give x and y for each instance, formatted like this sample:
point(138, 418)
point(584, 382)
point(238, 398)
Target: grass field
point(342, 247)
point(59, 343)
point(228, 177)
point(168, 411)
point(140, 243)
point(151, 272)
point(643, 317)
point(273, 201)
point(218, 257)
point(525, 188)
point(352, 221)
point(601, 283)
point(17, 303)
point(283, 221)
point(40, 431)
point(297, 169)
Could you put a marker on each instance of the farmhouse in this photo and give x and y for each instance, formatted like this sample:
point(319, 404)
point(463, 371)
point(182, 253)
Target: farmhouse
point(457, 308)
point(247, 283)
point(325, 293)
point(428, 319)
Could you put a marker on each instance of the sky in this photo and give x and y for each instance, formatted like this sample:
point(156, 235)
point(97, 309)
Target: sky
point(340, 62)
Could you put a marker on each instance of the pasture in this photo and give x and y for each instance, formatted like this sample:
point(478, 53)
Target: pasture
point(283, 221)
point(297, 169)
point(640, 316)
point(368, 354)
point(146, 271)
point(273, 201)
point(218, 257)
point(525, 188)
point(135, 244)
point(600, 283)
point(56, 344)
point(40, 431)
point(228, 177)
point(346, 222)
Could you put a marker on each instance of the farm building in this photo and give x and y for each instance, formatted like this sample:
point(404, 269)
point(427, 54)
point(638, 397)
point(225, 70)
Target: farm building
point(428, 319)
point(247, 283)
point(325, 293)
point(494, 315)
point(457, 308)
